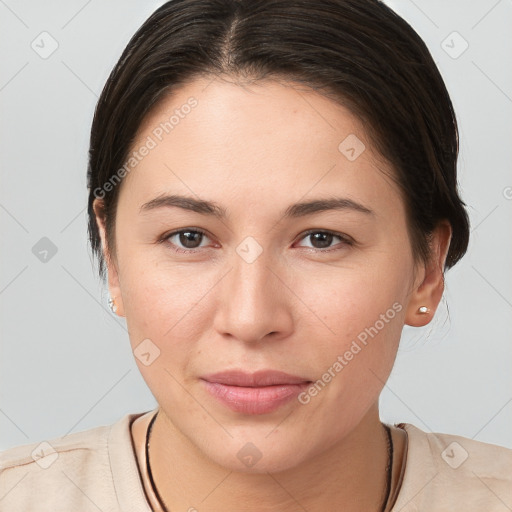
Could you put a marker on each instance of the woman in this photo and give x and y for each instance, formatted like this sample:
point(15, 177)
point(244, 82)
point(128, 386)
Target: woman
point(273, 196)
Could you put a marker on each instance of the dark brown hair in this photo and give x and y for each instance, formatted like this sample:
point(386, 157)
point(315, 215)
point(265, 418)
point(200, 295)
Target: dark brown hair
point(358, 52)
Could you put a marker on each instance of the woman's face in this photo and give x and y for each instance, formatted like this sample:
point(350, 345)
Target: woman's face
point(320, 292)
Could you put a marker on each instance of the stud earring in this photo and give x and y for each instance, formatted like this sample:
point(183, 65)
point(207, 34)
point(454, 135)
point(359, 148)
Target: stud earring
point(423, 310)
point(112, 304)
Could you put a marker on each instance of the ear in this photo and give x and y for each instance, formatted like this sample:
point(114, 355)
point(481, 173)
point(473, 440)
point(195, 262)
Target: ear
point(429, 282)
point(113, 275)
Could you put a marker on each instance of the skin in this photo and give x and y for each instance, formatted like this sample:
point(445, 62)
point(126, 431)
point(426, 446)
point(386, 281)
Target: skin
point(255, 150)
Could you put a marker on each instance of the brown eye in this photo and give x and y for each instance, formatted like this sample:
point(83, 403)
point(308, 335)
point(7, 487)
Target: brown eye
point(321, 240)
point(324, 239)
point(190, 239)
point(185, 240)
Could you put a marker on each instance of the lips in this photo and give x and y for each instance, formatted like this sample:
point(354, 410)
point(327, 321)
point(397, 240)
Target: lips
point(260, 392)
point(256, 379)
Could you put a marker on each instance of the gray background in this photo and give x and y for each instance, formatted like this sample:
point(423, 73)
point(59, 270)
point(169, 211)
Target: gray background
point(66, 363)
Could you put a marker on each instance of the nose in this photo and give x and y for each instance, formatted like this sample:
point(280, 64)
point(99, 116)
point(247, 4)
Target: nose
point(254, 301)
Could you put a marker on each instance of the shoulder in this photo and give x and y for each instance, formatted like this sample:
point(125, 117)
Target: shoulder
point(45, 453)
point(71, 471)
point(451, 472)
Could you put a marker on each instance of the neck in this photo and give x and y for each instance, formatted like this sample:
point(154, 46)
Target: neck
point(352, 473)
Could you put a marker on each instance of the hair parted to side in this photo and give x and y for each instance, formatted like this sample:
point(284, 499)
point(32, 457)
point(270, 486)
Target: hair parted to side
point(357, 52)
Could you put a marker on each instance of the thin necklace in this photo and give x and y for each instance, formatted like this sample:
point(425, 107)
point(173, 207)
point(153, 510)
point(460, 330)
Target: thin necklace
point(389, 466)
point(148, 467)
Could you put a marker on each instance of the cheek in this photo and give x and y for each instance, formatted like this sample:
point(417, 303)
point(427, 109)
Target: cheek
point(353, 364)
point(165, 318)
point(351, 301)
point(158, 296)
point(362, 315)
point(173, 306)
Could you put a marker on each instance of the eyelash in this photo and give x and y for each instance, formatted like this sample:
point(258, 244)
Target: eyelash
point(344, 239)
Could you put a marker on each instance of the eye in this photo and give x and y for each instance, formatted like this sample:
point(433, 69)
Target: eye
point(185, 240)
point(190, 239)
point(321, 240)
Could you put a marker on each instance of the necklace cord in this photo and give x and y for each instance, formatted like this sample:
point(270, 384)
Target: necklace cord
point(148, 466)
point(389, 466)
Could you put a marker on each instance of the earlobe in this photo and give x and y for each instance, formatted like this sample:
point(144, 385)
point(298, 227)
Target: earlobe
point(427, 293)
point(114, 307)
point(115, 301)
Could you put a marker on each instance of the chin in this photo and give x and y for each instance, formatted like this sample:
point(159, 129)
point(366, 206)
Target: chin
point(259, 456)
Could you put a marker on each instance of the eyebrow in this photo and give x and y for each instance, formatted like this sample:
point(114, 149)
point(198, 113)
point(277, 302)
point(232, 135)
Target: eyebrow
point(296, 210)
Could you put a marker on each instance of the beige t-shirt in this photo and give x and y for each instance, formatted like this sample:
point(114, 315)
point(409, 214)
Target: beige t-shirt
point(97, 470)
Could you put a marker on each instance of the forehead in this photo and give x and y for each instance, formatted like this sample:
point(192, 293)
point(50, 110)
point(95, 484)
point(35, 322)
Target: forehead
point(271, 139)
point(277, 114)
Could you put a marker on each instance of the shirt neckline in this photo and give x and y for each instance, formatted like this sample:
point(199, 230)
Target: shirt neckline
point(129, 486)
